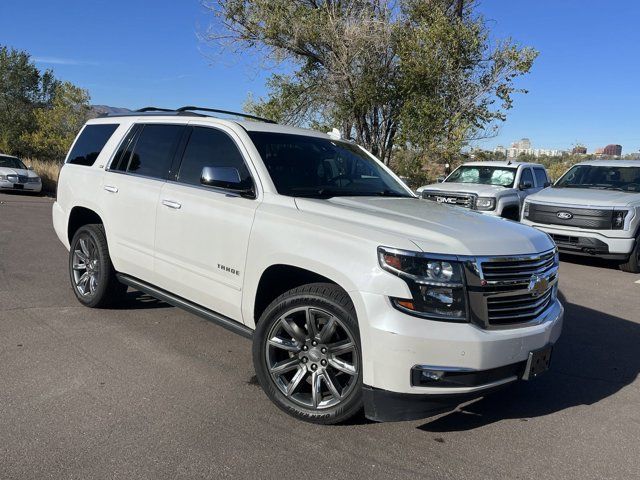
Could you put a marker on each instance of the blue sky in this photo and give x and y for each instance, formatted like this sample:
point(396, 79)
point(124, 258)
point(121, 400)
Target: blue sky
point(583, 87)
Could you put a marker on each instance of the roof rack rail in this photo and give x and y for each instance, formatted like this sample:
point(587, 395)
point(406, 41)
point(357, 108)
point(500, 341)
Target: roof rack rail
point(190, 108)
point(154, 109)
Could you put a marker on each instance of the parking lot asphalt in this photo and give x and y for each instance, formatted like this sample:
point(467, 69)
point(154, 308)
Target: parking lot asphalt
point(147, 391)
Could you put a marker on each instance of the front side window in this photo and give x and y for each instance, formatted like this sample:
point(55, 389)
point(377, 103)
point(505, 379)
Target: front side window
point(626, 179)
point(484, 175)
point(90, 143)
point(154, 150)
point(306, 166)
point(209, 147)
point(12, 162)
point(541, 177)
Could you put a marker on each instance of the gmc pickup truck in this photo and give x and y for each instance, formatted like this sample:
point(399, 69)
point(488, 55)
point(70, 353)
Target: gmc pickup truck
point(355, 292)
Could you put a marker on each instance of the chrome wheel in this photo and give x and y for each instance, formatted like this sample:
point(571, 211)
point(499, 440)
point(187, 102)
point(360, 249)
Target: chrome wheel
point(312, 357)
point(86, 265)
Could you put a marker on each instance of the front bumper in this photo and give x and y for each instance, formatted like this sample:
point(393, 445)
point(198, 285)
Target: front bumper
point(395, 342)
point(22, 187)
point(589, 242)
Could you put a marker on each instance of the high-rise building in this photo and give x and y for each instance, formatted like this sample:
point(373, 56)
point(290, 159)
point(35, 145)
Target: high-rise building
point(612, 150)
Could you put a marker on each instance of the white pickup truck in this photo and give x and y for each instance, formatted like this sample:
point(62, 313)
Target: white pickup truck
point(355, 292)
point(495, 188)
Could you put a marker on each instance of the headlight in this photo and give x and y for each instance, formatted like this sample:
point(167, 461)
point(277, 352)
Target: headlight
point(485, 203)
point(34, 180)
point(525, 210)
point(436, 284)
point(3, 177)
point(617, 219)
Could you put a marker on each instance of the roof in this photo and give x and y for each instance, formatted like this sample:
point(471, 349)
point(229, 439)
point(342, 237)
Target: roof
point(612, 163)
point(503, 163)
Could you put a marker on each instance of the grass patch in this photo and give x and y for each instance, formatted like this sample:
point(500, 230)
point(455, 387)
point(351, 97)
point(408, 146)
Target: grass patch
point(47, 171)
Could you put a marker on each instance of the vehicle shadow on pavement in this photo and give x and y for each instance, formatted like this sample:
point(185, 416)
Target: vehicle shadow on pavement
point(135, 300)
point(596, 356)
point(590, 261)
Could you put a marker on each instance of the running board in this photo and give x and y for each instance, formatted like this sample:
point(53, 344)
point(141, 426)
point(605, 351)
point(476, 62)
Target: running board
point(226, 322)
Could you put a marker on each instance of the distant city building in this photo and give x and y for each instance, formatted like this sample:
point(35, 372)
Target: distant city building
point(612, 150)
point(523, 146)
point(579, 150)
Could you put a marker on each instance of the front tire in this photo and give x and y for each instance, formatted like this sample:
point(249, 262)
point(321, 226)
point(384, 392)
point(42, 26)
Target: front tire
point(632, 265)
point(307, 354)
point(92, 275)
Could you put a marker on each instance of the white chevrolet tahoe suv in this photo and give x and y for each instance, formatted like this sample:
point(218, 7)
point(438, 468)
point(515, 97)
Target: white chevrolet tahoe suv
point(594, 210)
point(494, 188)
point(354, 291)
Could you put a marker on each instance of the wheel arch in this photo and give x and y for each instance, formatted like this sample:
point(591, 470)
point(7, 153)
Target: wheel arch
point(79, 216)
point(281, 277)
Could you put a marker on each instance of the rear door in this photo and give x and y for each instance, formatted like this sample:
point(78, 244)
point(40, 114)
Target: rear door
point(130, 193)
point(542, 179)
point(202, 233)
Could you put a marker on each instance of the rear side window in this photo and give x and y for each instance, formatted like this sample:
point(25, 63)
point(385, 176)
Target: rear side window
point(209, 147)
point(90, 143)
point(526, 177)
point(154, 150)
point(541, 176)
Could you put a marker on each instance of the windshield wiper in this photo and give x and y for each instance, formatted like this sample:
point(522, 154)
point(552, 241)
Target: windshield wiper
point(390, 193)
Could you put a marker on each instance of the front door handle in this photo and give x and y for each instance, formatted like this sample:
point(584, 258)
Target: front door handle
point(171, 204)
point(111, 188)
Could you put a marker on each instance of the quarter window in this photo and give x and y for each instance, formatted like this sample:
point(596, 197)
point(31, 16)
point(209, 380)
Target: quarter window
point(208, 147)
point(90, 143)
point(154, 150)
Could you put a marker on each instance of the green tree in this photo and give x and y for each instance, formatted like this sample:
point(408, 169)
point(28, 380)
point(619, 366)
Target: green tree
point(420, 74)
point(57, 124)
point(23, 88)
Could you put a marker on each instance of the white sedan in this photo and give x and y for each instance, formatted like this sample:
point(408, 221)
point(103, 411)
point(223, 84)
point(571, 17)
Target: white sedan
point(15, 175)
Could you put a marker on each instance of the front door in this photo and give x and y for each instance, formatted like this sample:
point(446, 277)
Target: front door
point(202, 233)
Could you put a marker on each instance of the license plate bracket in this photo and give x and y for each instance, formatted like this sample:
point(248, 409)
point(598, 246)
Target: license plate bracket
point(18, 186)
point(538, 362)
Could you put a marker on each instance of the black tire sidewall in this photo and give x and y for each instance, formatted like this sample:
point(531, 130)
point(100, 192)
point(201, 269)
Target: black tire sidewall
point(297, 298)
point(98, 237)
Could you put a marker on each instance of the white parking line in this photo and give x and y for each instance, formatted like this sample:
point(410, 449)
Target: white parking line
point(637, 281)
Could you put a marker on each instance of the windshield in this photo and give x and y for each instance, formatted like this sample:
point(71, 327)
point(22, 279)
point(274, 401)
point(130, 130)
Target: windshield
point(626, 179)
point(11, 162)
point(305, 166)
point(499, 176)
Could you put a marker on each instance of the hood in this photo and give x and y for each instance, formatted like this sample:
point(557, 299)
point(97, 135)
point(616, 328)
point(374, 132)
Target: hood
point(432, 227)
point(477, 188)
point(17, 171)
point(587, 197)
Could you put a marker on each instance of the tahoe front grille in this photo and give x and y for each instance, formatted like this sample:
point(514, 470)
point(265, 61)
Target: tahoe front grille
point(467, 200)
point(595, 218)
point(511, 291)
point(517, 271)
point(506, 310)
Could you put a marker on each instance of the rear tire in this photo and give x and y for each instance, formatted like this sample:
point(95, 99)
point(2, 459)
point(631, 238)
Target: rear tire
point(307, 354)
point(92, 275)
point(632, 265)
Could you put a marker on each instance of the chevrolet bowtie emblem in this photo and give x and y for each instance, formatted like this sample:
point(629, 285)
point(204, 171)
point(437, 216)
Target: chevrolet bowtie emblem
point(538, 285)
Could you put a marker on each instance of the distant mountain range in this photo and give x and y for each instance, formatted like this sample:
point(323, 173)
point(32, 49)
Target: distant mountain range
point(97, 110)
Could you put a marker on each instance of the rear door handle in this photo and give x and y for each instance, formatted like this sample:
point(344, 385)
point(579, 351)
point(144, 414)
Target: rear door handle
point(171, 204)
point(111, 188)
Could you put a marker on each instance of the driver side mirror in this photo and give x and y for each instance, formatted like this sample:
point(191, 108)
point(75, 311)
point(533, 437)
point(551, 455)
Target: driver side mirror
point(29, 167)
point(547, 184)
point(224, 177)
point(440, 179)
point(525, 186)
